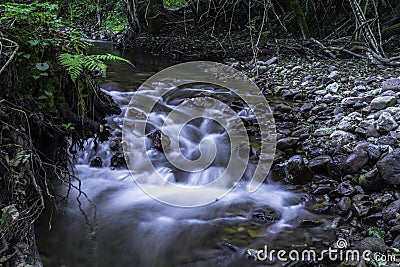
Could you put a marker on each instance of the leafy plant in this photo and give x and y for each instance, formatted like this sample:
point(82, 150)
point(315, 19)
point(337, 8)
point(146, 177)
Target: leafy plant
point(76, 64)
point(68, 126)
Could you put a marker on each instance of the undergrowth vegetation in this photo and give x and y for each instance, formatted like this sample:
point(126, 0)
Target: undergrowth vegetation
point(49, 95)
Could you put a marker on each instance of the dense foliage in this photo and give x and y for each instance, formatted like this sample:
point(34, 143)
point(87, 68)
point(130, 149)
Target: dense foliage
point(48, 94)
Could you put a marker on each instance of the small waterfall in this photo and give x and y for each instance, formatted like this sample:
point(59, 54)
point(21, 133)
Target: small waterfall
point(133, 229)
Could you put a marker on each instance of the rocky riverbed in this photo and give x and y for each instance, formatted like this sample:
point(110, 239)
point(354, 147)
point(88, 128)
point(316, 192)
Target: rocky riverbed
point(338, 141)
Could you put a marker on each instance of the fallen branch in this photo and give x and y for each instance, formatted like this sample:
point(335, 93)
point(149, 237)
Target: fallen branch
point(12, 55)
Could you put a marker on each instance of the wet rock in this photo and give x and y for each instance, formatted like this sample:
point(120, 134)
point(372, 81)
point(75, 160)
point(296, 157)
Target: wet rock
point(333, 88)
point(96, 162)
point(114, 145)
point(286, 143)
point(395, 134)
point(331, 68)
point(387, 140)
point(319, 108)
point(289, 94)
point(321, 190)
point(390, 211)
point(306, 107)
point(278, 173)
point(297, 171)
point(361, 208)
point(324, 207)
point(395, 230)
point(118, 161)
point(335, 166)
point(383, 102)
point(319, 164)
point(373, 244)
point(346, 189)
point(350, 101)
point(391, 84)
point(271, 61)
point(334, 74)
point(360, 88)
point(374, 152)
point(356, 161)
point(344, 205)
point(341, 138)
point(372, 219)
point(262, 69)
point(366, 129)
point(283, 108)
point(329, 98)
point(297, 68)
point(396, 242)
point(346, 125)
point(300, 131)
point(386, 122)
point(372, 181)
point(324, 131)
point(389, 167)
point(266, 215)
point(311, 223)
point(237, 66)
point(158, 139)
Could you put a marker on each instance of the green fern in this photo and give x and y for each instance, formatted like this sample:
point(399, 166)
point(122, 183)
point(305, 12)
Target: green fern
point(76, 64)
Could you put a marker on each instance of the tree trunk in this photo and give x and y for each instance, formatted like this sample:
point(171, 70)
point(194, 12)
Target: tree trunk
point(301, 19)
point(131, 12)
point(155, 16)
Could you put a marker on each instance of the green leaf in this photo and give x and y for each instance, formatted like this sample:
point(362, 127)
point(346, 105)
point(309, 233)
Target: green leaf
point(33, 42)
point(43, 97)
point(42, 66)
point(36, 77)
point(27, 56)
point(44, 74)
point(376, 233)
point(48, 93)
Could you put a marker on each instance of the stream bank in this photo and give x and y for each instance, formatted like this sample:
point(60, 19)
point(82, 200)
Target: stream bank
point(336, 137)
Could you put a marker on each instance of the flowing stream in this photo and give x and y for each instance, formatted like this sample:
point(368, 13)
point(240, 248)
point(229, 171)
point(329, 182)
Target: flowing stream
point(129, 228)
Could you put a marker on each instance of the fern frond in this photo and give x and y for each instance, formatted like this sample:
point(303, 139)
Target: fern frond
point(76, 64)
point(110, 57)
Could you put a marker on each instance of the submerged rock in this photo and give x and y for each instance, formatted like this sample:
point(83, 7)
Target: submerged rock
point(118, 160)
point(158, 140)
point(96, 162)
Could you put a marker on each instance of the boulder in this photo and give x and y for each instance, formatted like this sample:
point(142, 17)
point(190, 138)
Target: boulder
point(389, 167)
point(391, 84)
point(382, 102)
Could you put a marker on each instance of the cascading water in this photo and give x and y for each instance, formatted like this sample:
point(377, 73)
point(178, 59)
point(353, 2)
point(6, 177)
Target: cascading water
point(133, 229)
